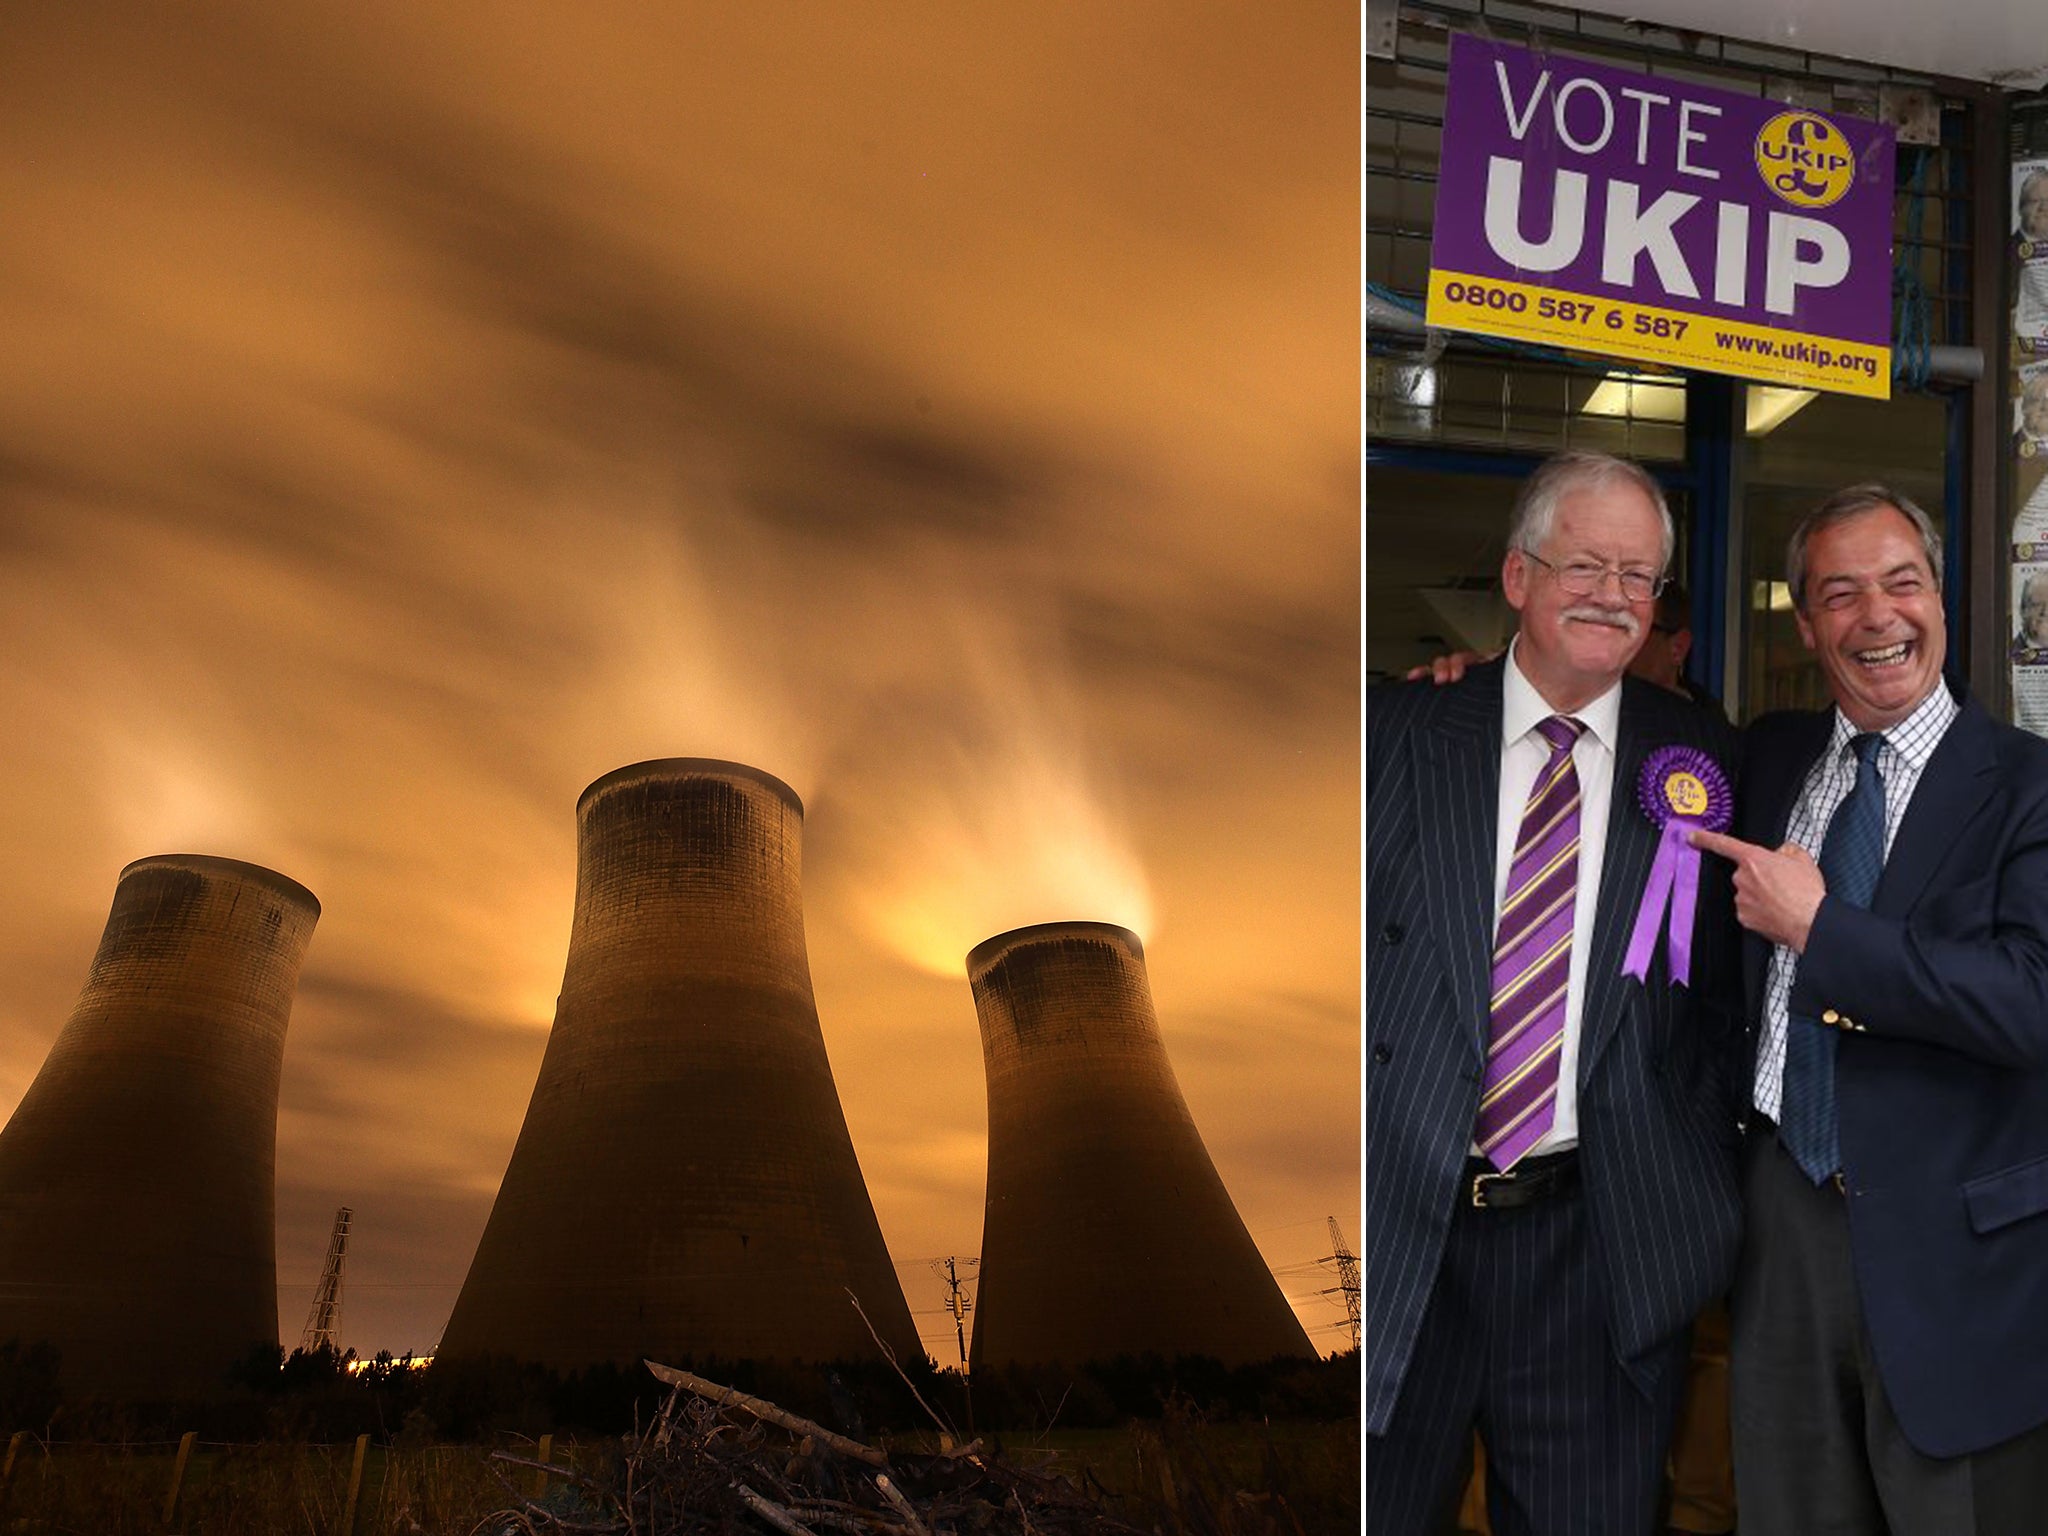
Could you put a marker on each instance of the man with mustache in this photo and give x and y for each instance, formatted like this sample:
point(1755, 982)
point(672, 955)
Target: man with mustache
point(2033, 405)
point(2032, 640)
point(2030, 218)
point(1549, 1144)
point(1702, 1473)
point(1890, 1361)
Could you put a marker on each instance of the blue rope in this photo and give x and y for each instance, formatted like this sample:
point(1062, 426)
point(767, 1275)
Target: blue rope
point(1913, 346)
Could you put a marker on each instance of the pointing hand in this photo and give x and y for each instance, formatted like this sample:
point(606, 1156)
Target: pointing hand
point(1777, 890)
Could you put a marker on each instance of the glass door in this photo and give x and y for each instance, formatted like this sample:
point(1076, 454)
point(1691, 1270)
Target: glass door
point(1799, 447)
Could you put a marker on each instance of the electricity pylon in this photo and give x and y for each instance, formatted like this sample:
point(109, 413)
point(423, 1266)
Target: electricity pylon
point(956, 1299)
point(1347, 1276)
point(325, 1317)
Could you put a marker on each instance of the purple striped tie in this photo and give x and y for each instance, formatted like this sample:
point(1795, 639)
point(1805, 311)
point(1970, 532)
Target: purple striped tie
point(1532, 959)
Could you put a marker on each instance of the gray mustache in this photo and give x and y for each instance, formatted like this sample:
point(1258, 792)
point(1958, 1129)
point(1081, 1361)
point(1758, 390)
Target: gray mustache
point(1615, 618)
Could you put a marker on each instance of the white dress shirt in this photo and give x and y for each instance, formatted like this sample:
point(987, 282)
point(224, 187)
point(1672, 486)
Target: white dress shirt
point(1523, 753)
point(1900, 761)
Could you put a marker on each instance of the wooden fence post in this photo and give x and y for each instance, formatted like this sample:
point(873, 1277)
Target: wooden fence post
point(7, 1466)
point(545, 1452)
point(178, 1474)
point(355, 1486)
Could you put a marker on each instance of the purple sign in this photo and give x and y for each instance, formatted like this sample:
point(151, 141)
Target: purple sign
point(1635, 215)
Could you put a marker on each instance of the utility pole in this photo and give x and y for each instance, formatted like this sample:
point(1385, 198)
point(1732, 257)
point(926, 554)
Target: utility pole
point(325, 1317)
point(1347, 1276)
point(956, 1299)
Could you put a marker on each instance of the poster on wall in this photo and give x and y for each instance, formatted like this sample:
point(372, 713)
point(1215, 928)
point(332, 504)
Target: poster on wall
point(1598, 209)
point(2030, 643)
point(2030, 613)
point(2030, 412)
point(2028, 387)
point(2030, 246)
point(2030, 526)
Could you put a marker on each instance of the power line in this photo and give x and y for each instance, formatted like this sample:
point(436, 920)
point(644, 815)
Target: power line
point(956, 1299)
point(1288, 1226)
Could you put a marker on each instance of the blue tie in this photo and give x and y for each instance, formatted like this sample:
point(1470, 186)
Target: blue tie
point(1851, 859)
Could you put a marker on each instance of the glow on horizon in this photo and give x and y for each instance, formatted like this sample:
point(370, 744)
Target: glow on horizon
point(1046, 856)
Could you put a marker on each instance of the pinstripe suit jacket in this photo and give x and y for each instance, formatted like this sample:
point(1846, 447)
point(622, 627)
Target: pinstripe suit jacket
point(1657, 1115)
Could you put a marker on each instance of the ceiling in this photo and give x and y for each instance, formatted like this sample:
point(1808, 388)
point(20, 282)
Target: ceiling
point(2001, 41)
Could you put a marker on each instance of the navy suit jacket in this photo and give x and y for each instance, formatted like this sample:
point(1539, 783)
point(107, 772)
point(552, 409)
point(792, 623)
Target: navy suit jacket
point(1657, 1108)
point(1941, 993)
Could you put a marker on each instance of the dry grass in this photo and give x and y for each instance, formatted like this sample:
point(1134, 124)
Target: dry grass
point(1178, 1476)
point(247, 1490)
point(1183, 1475)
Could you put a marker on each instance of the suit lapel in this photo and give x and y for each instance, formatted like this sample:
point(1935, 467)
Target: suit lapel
point(1458, 796)
point(1784, 793)
point(1772, 788)
point(1952, 790)
point(1631, 848)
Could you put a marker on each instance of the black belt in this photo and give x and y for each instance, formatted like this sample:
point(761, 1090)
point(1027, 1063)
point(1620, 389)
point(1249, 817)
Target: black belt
point(1486, 1188)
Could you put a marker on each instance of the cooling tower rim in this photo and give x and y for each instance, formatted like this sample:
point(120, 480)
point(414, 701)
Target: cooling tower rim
point(214, 864)
point(990, 950)
point(693, 768)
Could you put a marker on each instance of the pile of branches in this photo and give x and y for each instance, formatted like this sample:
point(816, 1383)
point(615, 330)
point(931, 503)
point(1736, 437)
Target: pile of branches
point(718, 1460)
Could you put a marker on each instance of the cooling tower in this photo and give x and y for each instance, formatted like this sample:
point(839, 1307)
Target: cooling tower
point(138, 1175)
point(1107, 1230)
point(684, 1185)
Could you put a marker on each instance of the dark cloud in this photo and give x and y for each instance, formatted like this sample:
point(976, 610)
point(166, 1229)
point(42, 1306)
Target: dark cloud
point(1272, 657)
point(857, 482)
point(367, 1022)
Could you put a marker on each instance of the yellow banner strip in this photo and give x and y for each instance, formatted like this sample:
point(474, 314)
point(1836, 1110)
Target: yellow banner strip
point(1617, 328)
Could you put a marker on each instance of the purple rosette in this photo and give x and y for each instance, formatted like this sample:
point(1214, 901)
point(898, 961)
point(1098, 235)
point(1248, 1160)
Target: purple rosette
point(1680, 788)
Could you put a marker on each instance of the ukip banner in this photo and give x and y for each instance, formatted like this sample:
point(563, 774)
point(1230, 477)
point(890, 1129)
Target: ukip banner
point(1601, 210)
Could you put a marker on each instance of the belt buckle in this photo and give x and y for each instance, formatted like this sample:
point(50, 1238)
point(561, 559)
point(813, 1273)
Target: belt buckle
point(1481, 1180)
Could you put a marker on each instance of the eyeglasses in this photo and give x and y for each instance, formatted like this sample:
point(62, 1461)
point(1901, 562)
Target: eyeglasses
point(1582, 578)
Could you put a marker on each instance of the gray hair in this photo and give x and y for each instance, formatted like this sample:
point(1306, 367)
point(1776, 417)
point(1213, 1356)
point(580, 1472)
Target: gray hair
point(1855, 501)
point(1560, 475)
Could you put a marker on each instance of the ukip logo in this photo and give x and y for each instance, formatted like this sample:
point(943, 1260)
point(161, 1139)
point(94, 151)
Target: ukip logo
point(1804, 159)
point(1680, 788)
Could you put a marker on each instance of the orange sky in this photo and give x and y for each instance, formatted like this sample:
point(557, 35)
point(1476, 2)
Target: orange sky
point(412, 413)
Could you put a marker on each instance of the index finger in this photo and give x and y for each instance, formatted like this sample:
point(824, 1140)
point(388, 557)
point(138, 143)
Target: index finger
point(1733, 848)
